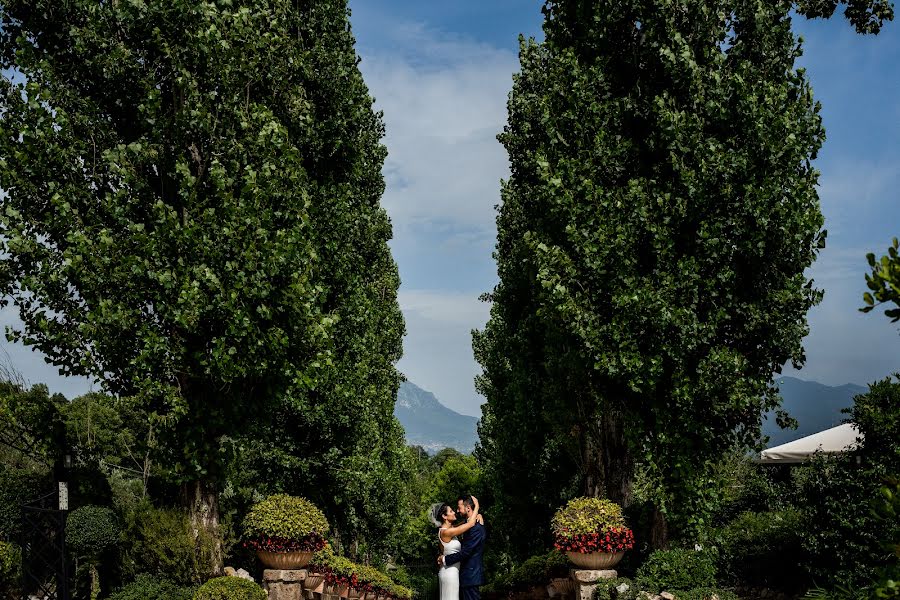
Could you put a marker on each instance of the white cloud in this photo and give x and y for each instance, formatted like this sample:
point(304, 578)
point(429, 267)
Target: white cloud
point(444, 102)
point(438, 347)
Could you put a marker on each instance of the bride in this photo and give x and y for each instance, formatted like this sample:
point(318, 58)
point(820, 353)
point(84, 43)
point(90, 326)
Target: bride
point(444, 517)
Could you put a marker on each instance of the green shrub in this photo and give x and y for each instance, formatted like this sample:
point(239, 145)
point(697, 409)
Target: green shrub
point(286, 517)
point(148, 587)
point(161, 542)
point(763, 550)
point(840, 496)
point(230, 588)
point(90, 530)
point(587, 515)
point(535, 571)
point(16, 488)
point(707, 593)
point(608, 589)
point(672, 570)
point(10, 570)
point(530, 573)
point(837, 500)
point(322, 559)
point(556, 564)
point(367, 575)
point(744, 487)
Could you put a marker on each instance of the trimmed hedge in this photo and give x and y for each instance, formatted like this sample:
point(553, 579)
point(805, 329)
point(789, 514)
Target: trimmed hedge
point(677, 570)
point(230, 588)
point(91, 529)
point(148, 587)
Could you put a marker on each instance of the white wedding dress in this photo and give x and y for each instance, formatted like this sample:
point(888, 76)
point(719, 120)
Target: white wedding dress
point(449, 576)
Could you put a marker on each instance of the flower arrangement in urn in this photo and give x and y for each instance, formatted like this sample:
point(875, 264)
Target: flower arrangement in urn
point(285, 531)
point(592, 532)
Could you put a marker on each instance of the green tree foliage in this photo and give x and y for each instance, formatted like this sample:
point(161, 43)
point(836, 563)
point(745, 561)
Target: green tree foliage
point(884, 282)
point(191, 216)
point(840, 496)
point(652, 243)
point(867, 16)
point(31, 425)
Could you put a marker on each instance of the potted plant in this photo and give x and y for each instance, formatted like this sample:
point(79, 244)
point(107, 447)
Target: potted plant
point(592, 532)
point(318, 566)
point(340, 576)
point(285, 531)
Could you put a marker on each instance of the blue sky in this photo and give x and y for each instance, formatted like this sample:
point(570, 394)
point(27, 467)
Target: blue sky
point(441, 72)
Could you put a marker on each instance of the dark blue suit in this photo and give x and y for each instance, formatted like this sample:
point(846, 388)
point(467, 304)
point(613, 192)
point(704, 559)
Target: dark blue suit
point(471, 569)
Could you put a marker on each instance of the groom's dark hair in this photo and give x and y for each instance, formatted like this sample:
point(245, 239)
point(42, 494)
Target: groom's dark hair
point(467, 500)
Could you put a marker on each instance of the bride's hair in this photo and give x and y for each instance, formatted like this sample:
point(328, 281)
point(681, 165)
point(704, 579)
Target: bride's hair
point(437, 513)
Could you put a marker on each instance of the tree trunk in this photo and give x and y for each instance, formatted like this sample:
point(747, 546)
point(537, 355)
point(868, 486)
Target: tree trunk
point(607, 459)
point(659, 530)
point(202, 503)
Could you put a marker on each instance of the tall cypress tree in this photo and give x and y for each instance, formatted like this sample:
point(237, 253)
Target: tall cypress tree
point(652, 242)
point(191, 215)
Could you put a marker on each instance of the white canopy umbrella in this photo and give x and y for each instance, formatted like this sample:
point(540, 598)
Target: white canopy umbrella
point(831, 441)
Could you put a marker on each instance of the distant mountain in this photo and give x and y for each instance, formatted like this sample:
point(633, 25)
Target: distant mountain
point(815, 406)
point(430, 424)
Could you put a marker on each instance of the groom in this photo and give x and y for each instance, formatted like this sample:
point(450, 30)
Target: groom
point(471, 570)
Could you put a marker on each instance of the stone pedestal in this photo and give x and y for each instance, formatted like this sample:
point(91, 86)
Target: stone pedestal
point(586, 581)
point(284, 584)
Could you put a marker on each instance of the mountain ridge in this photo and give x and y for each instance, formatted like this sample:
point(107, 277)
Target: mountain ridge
point(430, 424)
point(433, 426)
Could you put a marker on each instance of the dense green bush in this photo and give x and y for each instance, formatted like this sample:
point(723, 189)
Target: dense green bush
point(707, 593)
point(763, 550)
point(161, 542)
point(90, 530)
point(672, 570)
point(17, 486)
point(888, 585)
point(839, 496)
point(230, 588)
point(534, 571)
point(286, 517)
point(608, 589)
point(744, 486)
point(148, 587)
point(10, 570)
point(556, 564)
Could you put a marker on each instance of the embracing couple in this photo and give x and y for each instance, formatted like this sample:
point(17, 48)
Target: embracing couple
point(461, 571)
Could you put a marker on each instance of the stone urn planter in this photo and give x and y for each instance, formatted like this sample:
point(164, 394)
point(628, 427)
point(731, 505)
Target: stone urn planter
point(284, 560)
point(595, 561)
